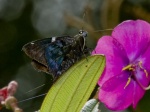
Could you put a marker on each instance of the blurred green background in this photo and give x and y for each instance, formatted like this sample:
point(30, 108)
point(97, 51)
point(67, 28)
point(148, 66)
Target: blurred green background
point(22, 21)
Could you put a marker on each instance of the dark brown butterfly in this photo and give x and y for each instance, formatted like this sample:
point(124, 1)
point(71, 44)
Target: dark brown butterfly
point(55, 55)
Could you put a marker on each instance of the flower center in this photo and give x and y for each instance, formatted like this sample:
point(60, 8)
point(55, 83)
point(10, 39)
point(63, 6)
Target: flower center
point(132, 68)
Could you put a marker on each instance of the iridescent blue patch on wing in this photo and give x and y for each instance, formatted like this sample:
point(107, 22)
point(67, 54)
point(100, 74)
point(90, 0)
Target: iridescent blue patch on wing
point(54, 55)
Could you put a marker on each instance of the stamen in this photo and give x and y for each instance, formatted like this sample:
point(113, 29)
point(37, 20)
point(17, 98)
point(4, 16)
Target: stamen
point(145, 71)
point(128, 82)
point(140, 64)
point(143, 87)
point(147, 88)
point(131, 69)
point(127, 67)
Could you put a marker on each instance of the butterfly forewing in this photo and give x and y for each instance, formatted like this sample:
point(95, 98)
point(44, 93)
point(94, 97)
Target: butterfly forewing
point(36, 50)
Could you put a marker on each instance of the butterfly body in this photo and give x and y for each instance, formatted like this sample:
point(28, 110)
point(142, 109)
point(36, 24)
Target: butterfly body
point(57, 54)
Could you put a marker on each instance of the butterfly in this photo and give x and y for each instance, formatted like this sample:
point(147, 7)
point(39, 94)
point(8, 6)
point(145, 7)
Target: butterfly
point(55, 55)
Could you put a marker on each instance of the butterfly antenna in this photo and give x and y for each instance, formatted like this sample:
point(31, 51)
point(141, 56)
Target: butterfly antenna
point(83, 18)
point(103, 30)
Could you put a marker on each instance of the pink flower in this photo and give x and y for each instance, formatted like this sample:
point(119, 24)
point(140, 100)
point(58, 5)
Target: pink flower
point(7, 91)
point(127, 72)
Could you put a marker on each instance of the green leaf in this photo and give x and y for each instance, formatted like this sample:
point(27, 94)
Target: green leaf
point(91, 106)
point(71, 91)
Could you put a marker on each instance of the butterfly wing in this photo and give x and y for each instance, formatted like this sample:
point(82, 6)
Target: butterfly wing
point(36, 50)
point(56, 54)
point(48, 54)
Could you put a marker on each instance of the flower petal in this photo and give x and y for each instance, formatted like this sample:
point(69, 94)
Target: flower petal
point(134, 36)
point(138, 90)
point(138, 93)
point(116, 57)
point(114, 95)
point(141, 77)
point(145, 59)
point(3, 94)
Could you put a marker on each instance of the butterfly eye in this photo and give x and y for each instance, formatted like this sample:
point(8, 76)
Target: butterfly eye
point(81, 32)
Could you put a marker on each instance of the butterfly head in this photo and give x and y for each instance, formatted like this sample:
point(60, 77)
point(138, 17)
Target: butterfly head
point(83, 33)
